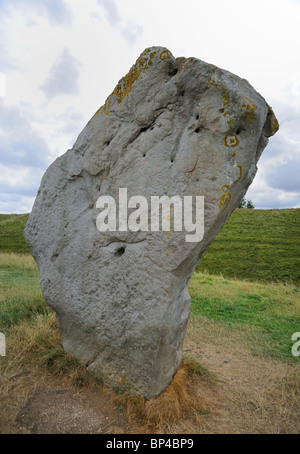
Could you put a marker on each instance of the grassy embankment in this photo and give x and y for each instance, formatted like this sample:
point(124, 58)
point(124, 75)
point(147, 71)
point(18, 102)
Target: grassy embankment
point(255, 318)
point(254, 245)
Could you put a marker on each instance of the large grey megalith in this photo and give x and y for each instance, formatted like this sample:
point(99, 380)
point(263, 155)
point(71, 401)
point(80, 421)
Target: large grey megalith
point(172, 127)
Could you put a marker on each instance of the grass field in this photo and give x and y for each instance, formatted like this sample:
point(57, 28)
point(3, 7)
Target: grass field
point(12, 233)
point(239, 333)
point(238, 376)
point(257, 245)
point(254, 245)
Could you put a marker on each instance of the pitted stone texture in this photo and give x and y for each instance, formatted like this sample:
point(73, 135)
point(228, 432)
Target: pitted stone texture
point(170, 127)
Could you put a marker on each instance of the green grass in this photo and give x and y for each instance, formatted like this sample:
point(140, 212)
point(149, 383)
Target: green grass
point(12, 233)
point(20, 293)
point(272, 311)
point(269, 313)
point(256, 245)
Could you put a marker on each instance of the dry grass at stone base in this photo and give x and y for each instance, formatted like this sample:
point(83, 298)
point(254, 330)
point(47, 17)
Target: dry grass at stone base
point(179, 400)
point(220, 388)
point(238, 374)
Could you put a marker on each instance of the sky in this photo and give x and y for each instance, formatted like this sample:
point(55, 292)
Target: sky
point(60, 59)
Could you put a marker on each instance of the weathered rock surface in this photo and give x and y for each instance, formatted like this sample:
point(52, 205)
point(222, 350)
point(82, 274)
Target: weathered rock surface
point(171, 127)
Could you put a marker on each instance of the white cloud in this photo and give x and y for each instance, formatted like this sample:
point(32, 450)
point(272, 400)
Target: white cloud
point(63, 76)
point(57, 12)
point(77, 51)
point(13, 203)
point(130, 31)
point(19, 180)
point(20, 144)
point(111, 12)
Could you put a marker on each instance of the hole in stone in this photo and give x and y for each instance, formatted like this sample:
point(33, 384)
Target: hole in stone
point(173, 73)
point(144, 129)
point(197, 130)
point(197, 117)
point(172, 160)
point(238, 131)
point(107, 143)
point(182, 93)
point(221, 110)
point(144, 155)
point(119, 252)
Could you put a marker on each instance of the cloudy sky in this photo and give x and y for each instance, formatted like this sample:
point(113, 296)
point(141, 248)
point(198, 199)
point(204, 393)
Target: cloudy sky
point(60, 59)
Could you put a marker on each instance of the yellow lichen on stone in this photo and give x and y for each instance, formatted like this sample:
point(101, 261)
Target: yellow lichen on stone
point(124, 86)
point(105, 109)
point(225, 198)
point(185, 62)
point(231, 140)
point(241, 171)
point(226, 99)
point(248, 110)
point(225, 187)
point(274, 125)
point(224, 201)
point(165, 54)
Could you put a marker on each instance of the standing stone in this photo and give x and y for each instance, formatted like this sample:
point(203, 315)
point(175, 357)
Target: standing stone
point(174, 127)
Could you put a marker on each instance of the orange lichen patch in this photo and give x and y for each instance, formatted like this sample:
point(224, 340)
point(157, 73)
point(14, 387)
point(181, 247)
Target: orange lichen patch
point(274, 125)
point(224, 201)
point(249, 109)
point(214, 83)
point(231, 140)
point(225, 187)
point(226, 99)
point(241, 171)
point(105, 109)
point(185, 62)
point(222, 90)
point(225, 198)
point(233, 154)
point(165, 54)
point(124, 86)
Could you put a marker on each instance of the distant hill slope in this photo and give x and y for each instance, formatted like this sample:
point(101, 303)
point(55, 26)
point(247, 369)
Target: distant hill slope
point(254, 244)
point(12, 233)
point(257, 245)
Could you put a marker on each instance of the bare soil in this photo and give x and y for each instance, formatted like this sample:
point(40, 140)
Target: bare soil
point(250, 395)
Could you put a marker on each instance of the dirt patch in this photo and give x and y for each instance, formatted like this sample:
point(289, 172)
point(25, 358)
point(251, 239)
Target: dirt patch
point(250, 394)
point(253, 394)
point(68, 411)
